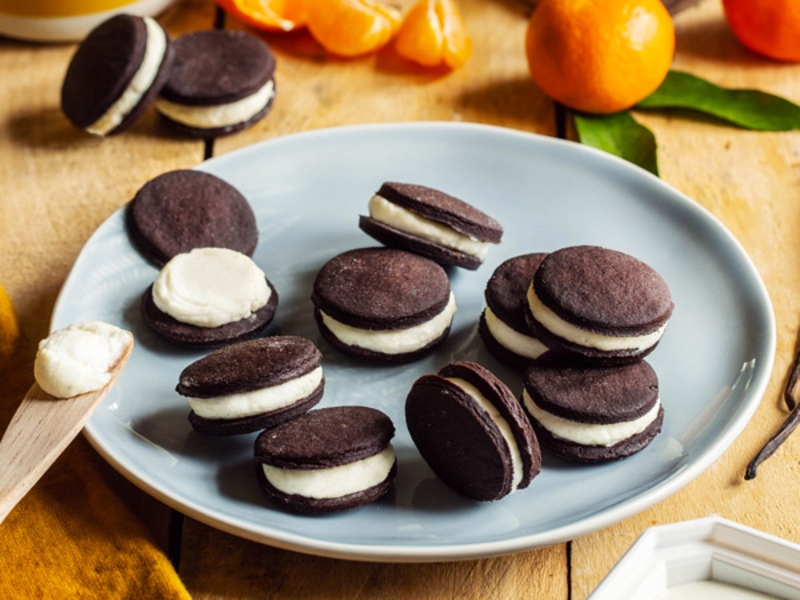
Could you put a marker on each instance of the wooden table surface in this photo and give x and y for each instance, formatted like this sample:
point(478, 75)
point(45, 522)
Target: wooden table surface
point(60, 184)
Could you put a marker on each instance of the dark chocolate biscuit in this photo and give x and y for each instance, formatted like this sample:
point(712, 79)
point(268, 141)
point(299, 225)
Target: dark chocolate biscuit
point(186, 209)
point(247, 367)
point(381, 289)
point(324, 439)
point(441, 208)
point(102, 69)
point(461, 442)
point(394, 238)
point(193, 336)
point(597, 396)
point(215, 68)
point(506, 297)
point(600, 291)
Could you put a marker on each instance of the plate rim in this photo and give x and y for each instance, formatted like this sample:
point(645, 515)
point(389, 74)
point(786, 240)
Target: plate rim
point(431, 553)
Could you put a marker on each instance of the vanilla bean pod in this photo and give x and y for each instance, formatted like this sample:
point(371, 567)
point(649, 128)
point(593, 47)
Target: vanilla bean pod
point(789, 396)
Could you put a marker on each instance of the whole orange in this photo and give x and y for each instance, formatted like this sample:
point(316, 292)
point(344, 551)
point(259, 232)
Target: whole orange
point(599, 56)
point(768, 27)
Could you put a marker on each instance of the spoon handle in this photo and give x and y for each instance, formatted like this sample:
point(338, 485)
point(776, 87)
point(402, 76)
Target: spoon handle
point(40, 430)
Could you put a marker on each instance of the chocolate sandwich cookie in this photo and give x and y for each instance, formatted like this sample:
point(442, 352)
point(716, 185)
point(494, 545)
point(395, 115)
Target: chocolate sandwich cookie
point(182, 210)
point(593, 414)
point(115, 74)
point(598, 306)
point(383, 304)
point(209, 297)
point(253, 385)
point(327, 460)
point(431, 223)
point(472, 432)
point(220, 82)
point(503, 327)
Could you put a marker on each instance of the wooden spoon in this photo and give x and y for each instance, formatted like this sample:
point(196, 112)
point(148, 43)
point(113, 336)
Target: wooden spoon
point(40, 430)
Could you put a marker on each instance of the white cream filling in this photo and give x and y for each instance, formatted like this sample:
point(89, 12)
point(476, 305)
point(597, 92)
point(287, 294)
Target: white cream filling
point(209, 287)
point(334, 482)
point(513, 340)
point(589, 434)
point(502, 425)
point(394, 341)
point(80, 358)
point(558, 326)
point(391, 214)
point(220, 115)
point(256, 402)
point(155, 48)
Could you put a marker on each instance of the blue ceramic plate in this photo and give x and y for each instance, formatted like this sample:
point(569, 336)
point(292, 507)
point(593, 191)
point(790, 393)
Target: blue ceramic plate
point(307, 191)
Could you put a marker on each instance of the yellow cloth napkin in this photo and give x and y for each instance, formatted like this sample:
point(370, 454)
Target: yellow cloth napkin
point(73, 535)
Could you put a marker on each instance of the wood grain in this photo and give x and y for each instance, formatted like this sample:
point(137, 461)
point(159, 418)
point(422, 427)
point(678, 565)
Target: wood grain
point(221, 566)
point(59, 184)
point(317, 90)
point(751, 181)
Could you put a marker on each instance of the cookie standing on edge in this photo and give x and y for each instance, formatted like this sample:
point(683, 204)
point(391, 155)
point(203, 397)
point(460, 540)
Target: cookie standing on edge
point(115, 74)
point(383, 304)
point(253, 385)
point(502, 327)
point(182, 210)
point(327, 460)
point(209, 297)
point(598, 306)
point(593, 414)
point(429, 222)
point(220, 82)
point(472, 432)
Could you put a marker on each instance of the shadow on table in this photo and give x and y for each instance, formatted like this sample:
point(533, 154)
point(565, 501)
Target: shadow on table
point(47, 128)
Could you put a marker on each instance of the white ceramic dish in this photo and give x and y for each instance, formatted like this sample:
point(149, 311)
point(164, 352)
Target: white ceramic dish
point(704, 550)
point(307, 191)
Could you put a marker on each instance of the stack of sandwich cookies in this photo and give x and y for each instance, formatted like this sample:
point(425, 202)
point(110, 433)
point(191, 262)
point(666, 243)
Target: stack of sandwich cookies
point(383, 304)
point(116, 73)
point(503, 327)
point(472, 432)
point(220, 82)
point(253, 385)
point(327, 460)
point(431, 223)
point(182, 210)
point(209, 297)
point(597, 306)
point(593, 414)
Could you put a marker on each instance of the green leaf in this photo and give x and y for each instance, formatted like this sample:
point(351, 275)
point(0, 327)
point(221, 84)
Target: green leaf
point(750, 109)
point(620, 135)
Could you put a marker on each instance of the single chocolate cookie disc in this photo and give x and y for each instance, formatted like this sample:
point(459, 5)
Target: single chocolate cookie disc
point(253, 385)
point(431, 223)
point(327, 460)
point(598, 306)
point(472, 432)
point(383, 304)
point(115, 74)
point(503, 327)
point(592, 414)
point(186, 209)
point(220, 82)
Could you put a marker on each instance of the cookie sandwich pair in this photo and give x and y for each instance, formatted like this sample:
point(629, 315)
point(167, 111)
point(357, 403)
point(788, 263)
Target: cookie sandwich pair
point(205, 84)
point(581, 320)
